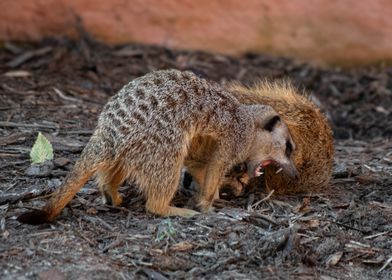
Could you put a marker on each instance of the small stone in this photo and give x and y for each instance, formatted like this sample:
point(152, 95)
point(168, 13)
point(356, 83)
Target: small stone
point(29, 252)
point(233, 239)
point(40, 170)
point(340, 171)
point(5, 234)
point(53, 183)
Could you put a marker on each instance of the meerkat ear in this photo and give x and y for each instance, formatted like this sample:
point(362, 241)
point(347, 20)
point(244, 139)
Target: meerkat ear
point(271, 122)
point(265, 116)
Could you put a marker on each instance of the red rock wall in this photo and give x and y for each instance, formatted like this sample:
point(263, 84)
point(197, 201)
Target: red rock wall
point(333, 31)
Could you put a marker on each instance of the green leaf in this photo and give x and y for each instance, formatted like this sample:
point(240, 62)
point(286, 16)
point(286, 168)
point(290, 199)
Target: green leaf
point(42, 150)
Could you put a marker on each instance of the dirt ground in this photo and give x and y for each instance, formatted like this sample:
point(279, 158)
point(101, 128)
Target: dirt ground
point(59, 88)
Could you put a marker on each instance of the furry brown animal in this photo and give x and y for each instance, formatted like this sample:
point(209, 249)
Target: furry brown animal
point(158, 123)
point(310, 130)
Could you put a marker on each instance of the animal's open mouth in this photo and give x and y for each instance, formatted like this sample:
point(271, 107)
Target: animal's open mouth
point(260, 168)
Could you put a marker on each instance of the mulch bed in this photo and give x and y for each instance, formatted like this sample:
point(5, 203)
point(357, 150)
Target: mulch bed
point(59, 88)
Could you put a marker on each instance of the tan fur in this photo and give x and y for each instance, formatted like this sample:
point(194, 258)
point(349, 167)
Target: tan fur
point(158, 123)
point(310, 130)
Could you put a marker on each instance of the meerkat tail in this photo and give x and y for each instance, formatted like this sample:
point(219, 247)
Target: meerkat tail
point(84, 168)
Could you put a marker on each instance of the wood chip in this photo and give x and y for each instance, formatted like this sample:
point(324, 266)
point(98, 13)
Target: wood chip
point(17, 74)
point(24, 57)
point(334, 259)
point(182, 246)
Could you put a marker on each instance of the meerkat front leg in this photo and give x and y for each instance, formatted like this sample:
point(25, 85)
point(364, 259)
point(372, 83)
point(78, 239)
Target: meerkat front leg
point(159, 194)
point(198, 174)
point(209, 191)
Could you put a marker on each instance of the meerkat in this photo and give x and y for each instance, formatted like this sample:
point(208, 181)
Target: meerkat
point(157, 124)
point(310, 130)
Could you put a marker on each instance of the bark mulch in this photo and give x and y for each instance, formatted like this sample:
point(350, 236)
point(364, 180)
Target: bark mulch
point(59, 87)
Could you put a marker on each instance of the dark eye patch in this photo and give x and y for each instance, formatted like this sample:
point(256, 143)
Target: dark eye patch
point(289, 148)
point(269, 126)
point(239, 168)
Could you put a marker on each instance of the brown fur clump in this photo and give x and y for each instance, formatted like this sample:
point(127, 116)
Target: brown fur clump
point(309, 129)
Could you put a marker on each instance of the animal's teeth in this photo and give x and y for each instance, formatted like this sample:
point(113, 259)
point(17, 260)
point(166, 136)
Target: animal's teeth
point(259, 173)
point(279, 170)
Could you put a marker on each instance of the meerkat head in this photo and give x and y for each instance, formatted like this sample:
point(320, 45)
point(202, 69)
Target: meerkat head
point(272, 144)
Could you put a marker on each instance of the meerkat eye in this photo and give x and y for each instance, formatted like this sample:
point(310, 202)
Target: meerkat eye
point(240, 168)
point(269, 126)
point(289, 148)
point(243, 167)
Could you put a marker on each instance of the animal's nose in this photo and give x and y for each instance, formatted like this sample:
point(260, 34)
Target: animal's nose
point(291, 171)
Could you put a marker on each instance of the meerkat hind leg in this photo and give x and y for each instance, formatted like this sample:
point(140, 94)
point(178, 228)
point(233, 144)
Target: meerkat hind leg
point(109, 181)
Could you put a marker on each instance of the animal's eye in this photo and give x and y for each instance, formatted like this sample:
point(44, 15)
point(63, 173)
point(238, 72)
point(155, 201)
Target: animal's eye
point(240, 168)
point(269, 126)
point(289, 148)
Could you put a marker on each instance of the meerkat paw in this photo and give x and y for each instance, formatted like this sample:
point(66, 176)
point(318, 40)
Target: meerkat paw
point(170, 211)
point(114, 199)
point(206, 206)
point(211, 209)
point(117, 199)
